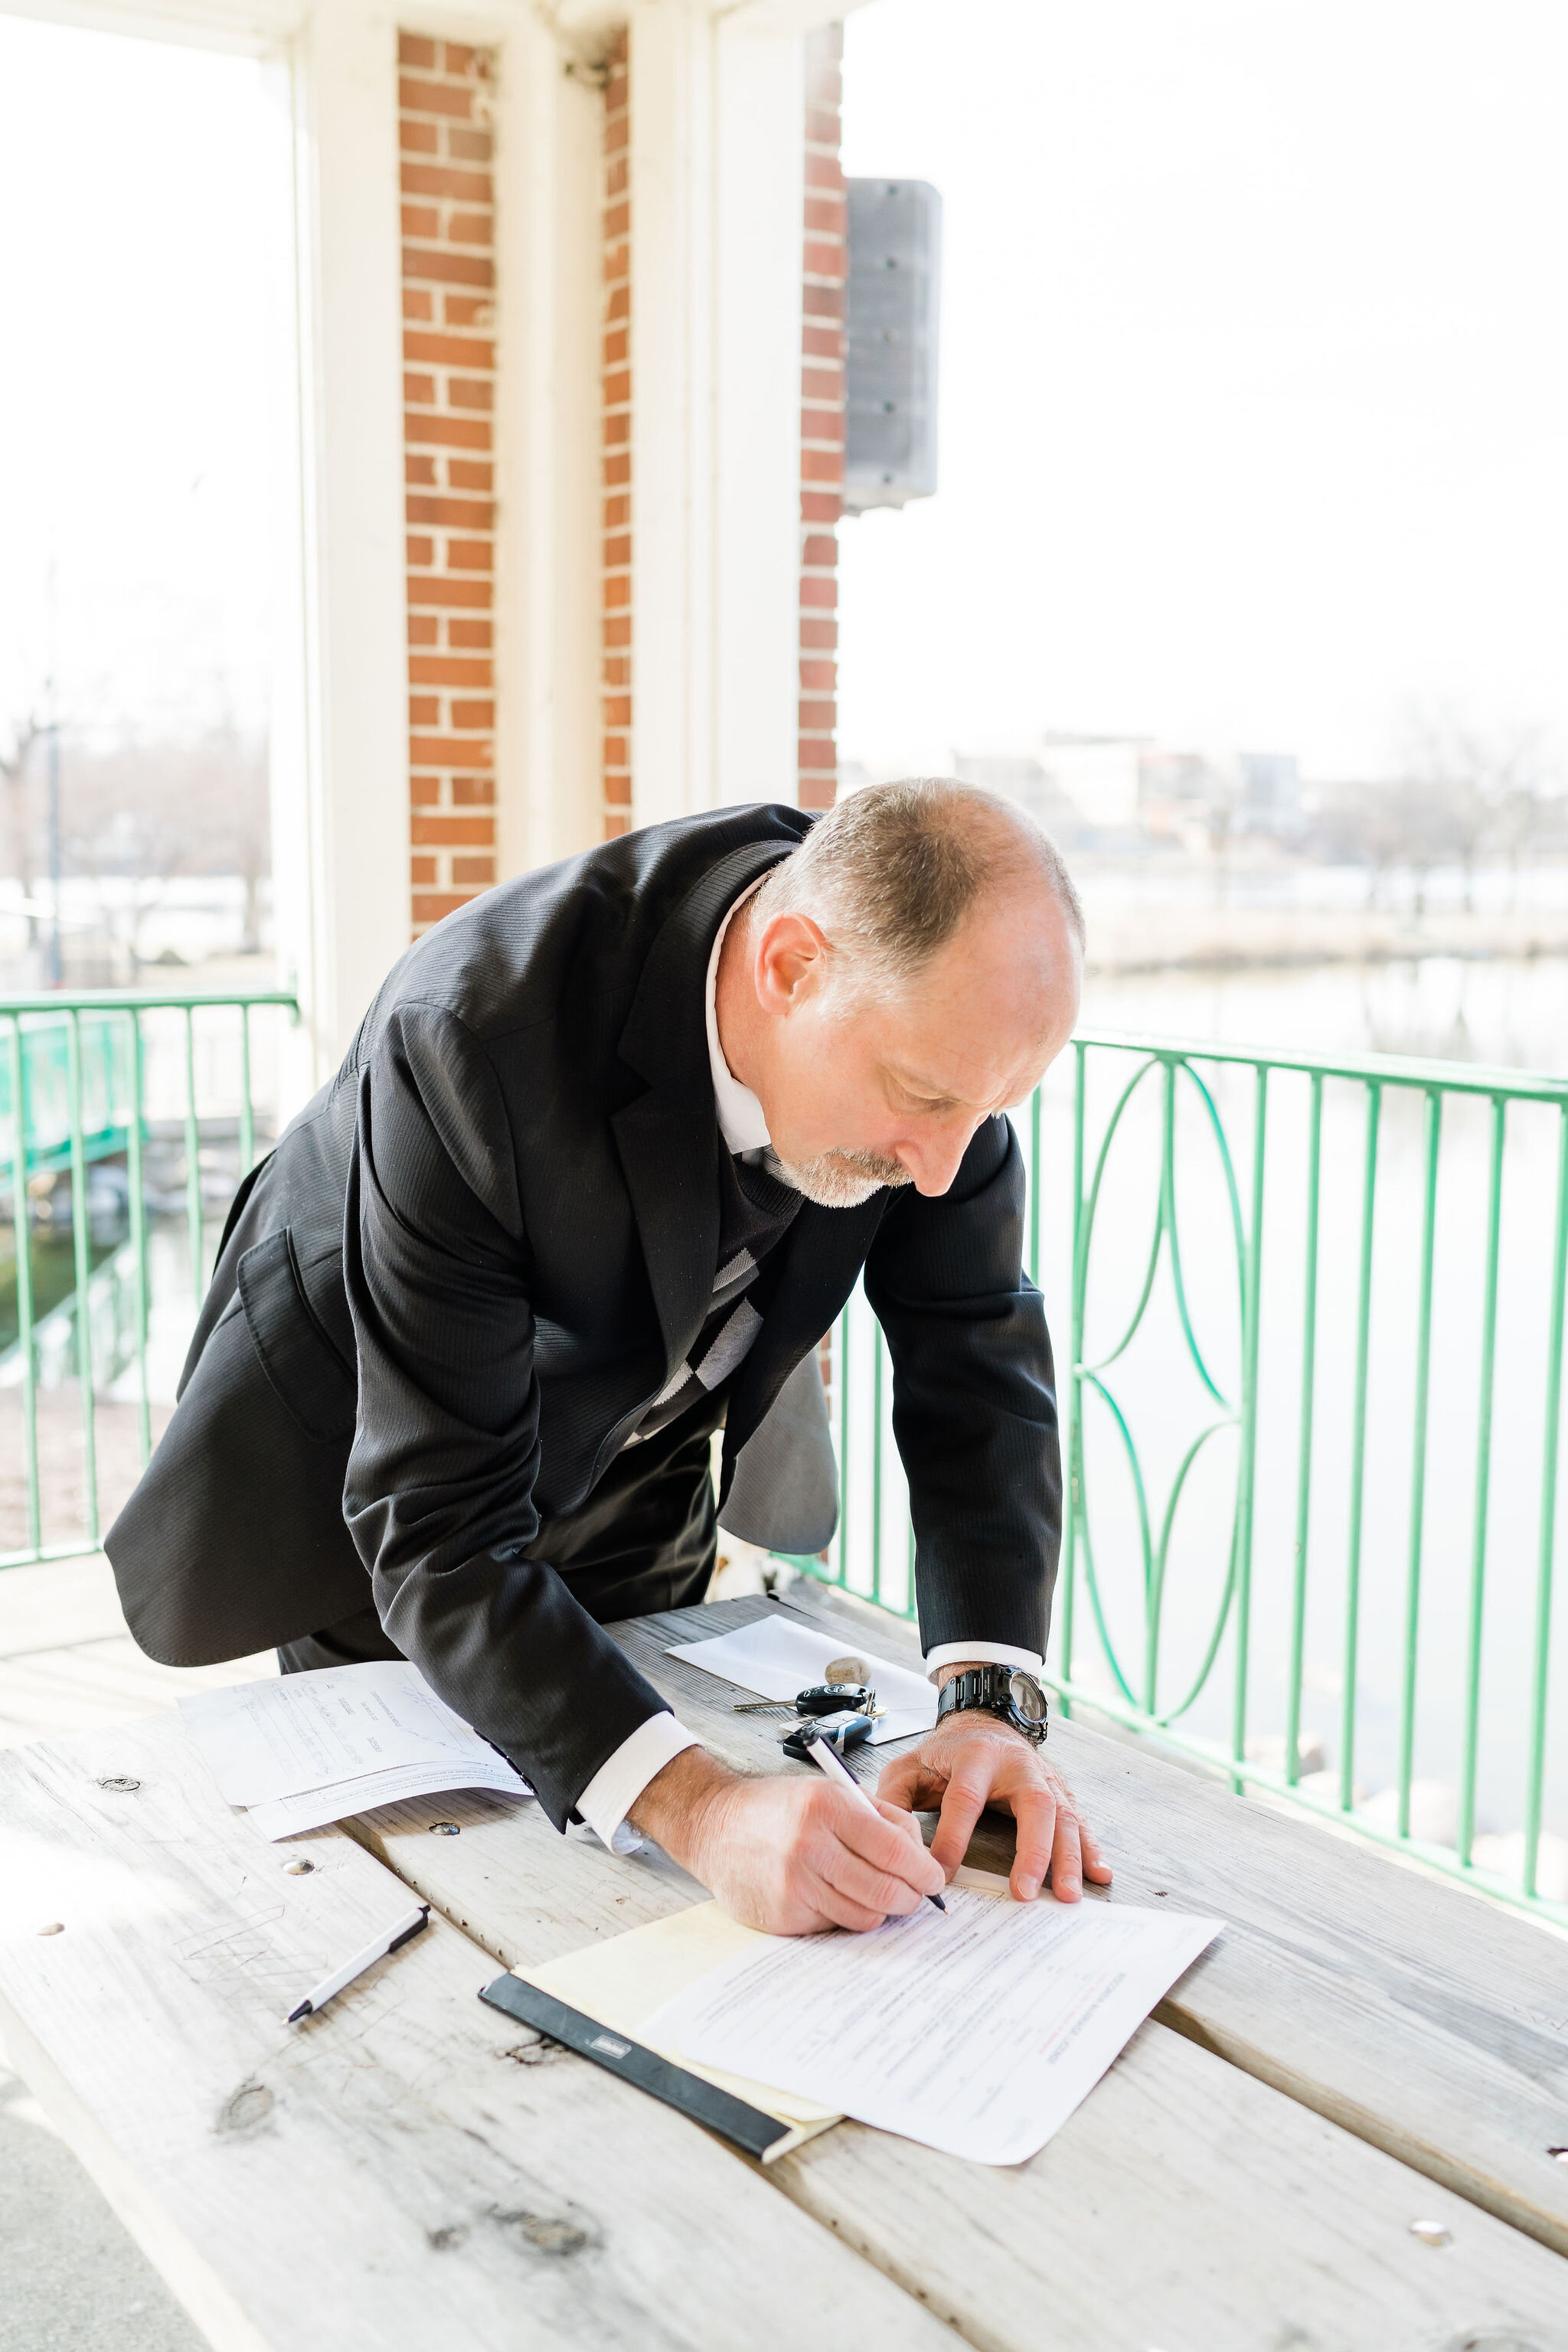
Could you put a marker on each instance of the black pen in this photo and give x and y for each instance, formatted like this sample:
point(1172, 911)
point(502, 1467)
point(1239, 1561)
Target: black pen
point(400, 1933)
point(833, 1764)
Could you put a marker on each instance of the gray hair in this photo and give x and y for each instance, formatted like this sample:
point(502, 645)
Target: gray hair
point(892, 871)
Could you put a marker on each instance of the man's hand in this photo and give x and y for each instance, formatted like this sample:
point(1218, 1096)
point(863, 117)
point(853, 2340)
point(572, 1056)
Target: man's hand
point(787, 1855)
point(973, 1760)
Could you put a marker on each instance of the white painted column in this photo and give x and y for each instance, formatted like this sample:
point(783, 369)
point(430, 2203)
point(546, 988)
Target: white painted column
point(547, 170)
point(758, 213)
point(673, 231)
point(339, 789)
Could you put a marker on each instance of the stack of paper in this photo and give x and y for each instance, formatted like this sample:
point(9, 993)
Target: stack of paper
point(312, 1749)
point(977, 2034)
point(777, 1657)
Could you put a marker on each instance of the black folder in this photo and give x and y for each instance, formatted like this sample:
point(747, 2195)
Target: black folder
point(748, 2127)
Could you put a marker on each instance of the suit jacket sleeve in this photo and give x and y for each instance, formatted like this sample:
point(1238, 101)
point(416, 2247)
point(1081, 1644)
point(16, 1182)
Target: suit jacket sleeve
point(974, 1408)
point(440, 1491)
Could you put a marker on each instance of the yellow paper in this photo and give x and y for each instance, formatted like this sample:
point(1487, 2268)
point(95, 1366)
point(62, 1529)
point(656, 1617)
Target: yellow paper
point(622, 1979)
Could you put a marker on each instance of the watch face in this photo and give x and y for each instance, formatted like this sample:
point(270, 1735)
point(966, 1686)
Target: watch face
point(1027, 1697)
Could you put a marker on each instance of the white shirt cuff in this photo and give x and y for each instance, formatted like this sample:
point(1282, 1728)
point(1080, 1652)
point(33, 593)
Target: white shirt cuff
point(970, 1653)
point(622, 1778)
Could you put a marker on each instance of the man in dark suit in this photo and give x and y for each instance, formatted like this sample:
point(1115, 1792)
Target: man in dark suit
point(606, 1157)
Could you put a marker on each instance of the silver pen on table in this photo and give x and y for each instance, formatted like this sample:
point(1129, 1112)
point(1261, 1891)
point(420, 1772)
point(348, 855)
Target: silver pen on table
point(828, 1760)
point(400, 1932)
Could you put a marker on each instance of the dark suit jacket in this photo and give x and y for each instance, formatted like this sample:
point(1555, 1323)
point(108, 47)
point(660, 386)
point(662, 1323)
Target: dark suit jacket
point(445, 1302)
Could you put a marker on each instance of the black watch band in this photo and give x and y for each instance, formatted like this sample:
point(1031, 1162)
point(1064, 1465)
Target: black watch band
point(1006, 1691)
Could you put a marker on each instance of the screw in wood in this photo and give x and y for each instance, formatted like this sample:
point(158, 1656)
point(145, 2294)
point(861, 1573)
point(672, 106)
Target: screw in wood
point(445, 1829)
point(299, 1867)
point(1432, 2233)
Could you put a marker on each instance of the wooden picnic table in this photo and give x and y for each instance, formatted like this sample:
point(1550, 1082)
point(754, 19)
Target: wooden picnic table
point(1363, 2050)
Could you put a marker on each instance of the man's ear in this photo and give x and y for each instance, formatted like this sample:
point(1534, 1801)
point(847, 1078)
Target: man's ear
point(789, 963)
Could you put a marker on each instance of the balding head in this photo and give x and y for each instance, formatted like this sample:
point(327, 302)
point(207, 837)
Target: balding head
point(907, 973)
point(894, 872)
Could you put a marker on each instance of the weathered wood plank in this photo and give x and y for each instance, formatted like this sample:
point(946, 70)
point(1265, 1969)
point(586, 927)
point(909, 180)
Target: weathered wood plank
point(1185, 2203)
point(407, 2169)
point(1427, 2022)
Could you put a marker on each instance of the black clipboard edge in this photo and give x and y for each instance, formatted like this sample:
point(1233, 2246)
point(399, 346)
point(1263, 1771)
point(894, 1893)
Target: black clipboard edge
point(746, 2127)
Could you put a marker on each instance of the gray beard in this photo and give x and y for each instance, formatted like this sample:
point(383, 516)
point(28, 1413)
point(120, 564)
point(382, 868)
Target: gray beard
point(837, 1179)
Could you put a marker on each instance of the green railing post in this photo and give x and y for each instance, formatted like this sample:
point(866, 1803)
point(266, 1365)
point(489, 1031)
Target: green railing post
point(137, 1187)
point(247, 1115)
point(1418, 1460)
point(1358, 1454)
point(1466, 1834)
point(1251, 1318)
point(1034, 1186)
point(25, 1278)
point(1304, 1438)
point(1552, 1438)
point(80, 1235)
point(193, 1162)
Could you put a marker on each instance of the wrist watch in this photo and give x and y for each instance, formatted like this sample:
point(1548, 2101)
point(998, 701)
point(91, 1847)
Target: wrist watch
point(1005, 1692)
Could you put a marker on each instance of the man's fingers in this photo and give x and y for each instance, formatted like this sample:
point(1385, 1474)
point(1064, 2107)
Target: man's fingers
point(890, 1842)
point(1095, 1866)
point(837, 1909)
point(880, 1892)
point(905, 1782)
point(1066, 1858)
point(1034, 1815)
point(962, 1803)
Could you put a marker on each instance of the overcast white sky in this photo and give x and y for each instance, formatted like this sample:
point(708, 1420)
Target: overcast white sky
point(1255, 373)
point(1254, 390)
point(139, 206)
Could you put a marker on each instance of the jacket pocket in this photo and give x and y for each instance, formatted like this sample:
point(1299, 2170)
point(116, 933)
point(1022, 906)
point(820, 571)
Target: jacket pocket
point(308, 1377)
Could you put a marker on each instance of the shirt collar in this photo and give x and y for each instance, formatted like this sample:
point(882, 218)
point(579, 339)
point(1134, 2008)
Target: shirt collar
point(740, 1120)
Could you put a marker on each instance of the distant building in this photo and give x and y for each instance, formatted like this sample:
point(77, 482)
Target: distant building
point(1101, 776)
point(1268, 798)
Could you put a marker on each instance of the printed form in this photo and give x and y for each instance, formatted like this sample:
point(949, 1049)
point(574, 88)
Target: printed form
point(315, 1748)
point(977, 2034)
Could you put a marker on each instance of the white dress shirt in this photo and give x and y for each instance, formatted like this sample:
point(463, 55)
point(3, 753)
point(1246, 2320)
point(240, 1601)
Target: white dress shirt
point(622, 1778)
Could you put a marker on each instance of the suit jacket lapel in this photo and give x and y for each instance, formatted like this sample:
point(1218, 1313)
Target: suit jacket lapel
point(668, 1139)
point(675, 1199)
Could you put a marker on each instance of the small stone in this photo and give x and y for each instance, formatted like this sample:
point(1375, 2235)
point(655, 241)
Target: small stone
point(1432, 2233)
point(55, 1927)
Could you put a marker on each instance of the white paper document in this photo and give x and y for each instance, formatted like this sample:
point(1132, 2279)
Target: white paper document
point(315, 1748)
point(778, 1656)
point(977, 2034)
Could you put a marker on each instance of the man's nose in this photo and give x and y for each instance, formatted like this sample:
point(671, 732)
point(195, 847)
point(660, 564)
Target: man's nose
point(934, 1160)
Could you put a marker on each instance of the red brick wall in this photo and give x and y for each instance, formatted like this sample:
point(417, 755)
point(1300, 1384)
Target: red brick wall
point(616, 460)
point(448, 349)
point(825, 268)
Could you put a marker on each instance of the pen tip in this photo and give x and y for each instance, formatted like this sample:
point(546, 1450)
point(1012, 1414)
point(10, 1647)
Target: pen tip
point(940, 1903)
point(296, 2014)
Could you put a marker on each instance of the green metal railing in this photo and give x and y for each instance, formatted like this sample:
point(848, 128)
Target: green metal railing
point(74, 1098)
point(1311, 1427)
